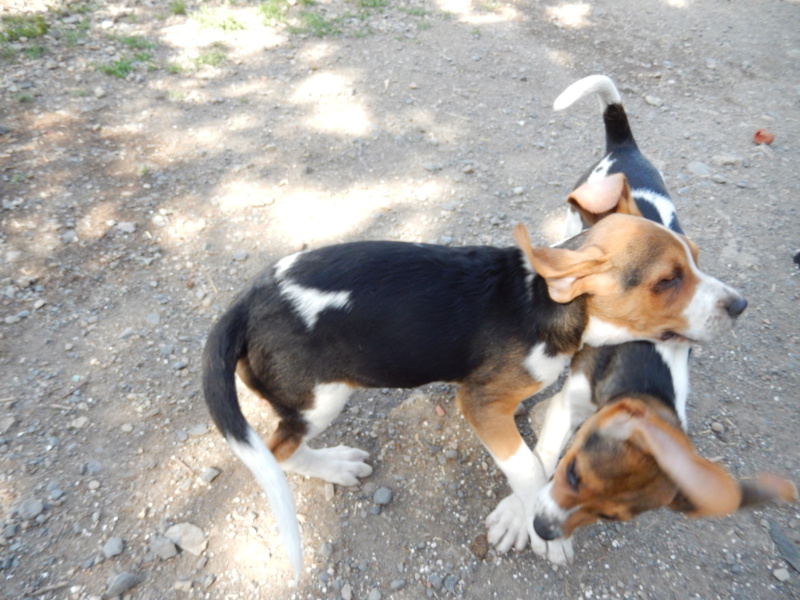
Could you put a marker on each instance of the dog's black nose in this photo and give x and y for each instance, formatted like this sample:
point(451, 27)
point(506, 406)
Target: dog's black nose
point(546, 529)
point(736, 306)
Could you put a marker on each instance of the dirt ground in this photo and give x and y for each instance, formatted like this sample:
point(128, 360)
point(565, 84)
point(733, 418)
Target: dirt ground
point(155, 155)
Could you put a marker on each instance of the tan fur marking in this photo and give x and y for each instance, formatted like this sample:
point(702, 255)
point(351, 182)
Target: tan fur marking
point(283, 445)
point(490, 397)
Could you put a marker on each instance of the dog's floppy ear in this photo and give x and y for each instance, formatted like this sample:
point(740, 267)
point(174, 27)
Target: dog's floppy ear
point(568, 273)
point(597, 199)
point(704, 488)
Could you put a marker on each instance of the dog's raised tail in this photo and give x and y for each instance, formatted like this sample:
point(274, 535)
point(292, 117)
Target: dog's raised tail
point(223, 348)
point(618, 130)
point(600, 85)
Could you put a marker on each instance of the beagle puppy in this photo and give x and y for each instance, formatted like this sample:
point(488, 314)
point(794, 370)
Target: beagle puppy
point(500, 322)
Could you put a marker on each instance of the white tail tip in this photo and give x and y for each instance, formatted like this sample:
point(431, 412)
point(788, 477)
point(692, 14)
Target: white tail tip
point(594, 84)
point(262, 464)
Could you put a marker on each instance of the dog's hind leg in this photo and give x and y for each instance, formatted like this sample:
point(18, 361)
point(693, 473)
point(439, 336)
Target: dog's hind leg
point(340, 464)
point(306, 415)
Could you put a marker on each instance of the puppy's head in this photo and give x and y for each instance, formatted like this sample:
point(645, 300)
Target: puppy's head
point(625, 460)
point(641, 281)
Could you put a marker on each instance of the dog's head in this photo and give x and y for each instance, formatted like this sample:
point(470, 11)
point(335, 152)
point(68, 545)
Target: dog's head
point(641, 281)
point(627, 459)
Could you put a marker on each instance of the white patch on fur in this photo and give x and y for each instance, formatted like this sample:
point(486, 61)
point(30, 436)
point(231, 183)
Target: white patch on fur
point(262, 464)
point(602, 333)
point(310, 302)
point(548, 508)
point(601, 169)
point(568, 408)
point(329, 400)
point(341, 465)
point(558, 551)
point(662, 204)
point(544, 368)
point(284, 264)
point(523, 472)
point(573, 224)
point(307, 302)
point(593, 84)
point(676, 356)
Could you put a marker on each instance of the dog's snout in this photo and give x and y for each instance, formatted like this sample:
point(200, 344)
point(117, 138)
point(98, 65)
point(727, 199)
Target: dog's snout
point(735, 306)
point(545, 528)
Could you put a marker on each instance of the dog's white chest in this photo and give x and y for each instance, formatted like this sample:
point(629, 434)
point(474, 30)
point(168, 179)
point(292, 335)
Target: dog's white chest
point(543, 367)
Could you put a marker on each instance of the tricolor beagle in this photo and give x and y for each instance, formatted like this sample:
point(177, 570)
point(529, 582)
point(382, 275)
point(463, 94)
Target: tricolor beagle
point(501, 322)
point(632, 454)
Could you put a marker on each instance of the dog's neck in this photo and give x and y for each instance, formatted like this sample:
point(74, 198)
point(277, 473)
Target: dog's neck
point(633, 370)
point(559, 326)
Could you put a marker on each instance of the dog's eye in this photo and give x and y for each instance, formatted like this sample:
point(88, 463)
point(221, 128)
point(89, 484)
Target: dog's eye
point(606, 517)
point(668, 282)
point(573, 479)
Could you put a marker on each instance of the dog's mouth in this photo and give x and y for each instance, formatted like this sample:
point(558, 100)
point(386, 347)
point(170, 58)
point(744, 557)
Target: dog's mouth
point(671, 336)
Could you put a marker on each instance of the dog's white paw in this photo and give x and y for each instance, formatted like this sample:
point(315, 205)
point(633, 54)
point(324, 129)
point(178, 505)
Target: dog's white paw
point(507, 525)
point(343, 465)
point(558, 552)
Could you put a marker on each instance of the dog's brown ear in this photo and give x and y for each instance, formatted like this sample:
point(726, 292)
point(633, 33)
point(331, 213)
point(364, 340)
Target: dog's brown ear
point(597, 199)
point(704, 488)
point(568, 273)
point(693, 249)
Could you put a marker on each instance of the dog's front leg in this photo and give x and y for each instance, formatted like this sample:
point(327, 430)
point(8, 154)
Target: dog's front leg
point(492, 417)
point(566, 411)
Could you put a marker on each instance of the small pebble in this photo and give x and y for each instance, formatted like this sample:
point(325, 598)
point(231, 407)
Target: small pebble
point(113, 547)
point(188, 537)
point(30, 509)
point(480, 546)
point(699, 169)
point(781, 575)
point(198, 430)
point(374, 594)
point(397, 584)
point(347, 592)
point(163, 547)
point(382, 496)
point(329, 491)
point(79, 422)
point(326, 550)
point(209, 474)
point(119, 584)
point(127, 333)
point(127, 227)
point(717, 427)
